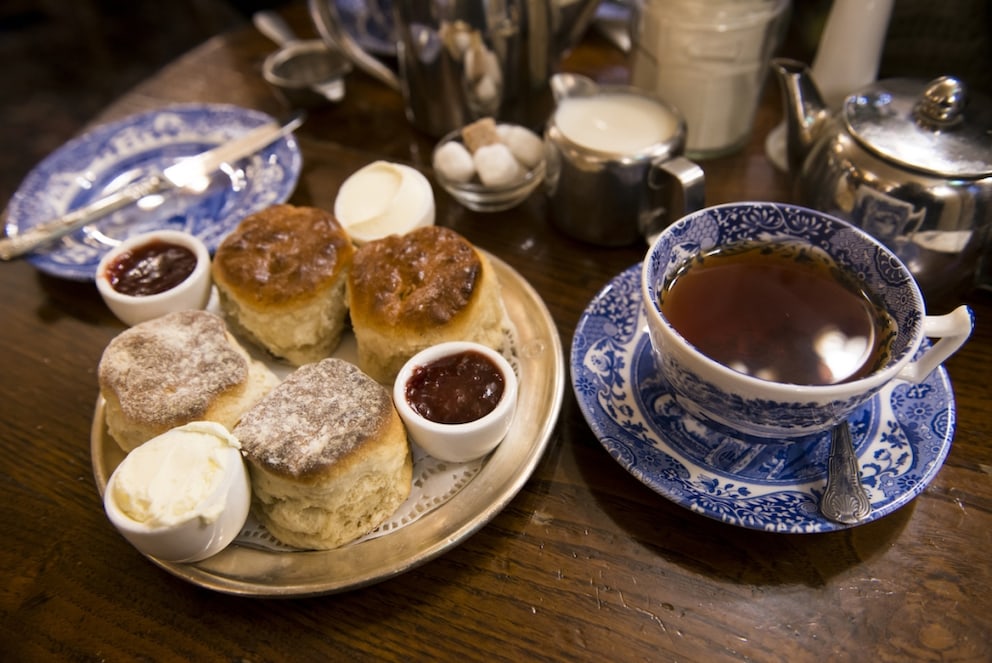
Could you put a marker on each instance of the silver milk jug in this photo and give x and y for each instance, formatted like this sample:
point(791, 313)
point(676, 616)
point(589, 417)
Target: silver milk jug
point(615, 170)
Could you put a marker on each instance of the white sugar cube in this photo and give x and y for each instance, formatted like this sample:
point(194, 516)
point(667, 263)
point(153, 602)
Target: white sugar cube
point(454, 162)
point(526, 146)
point(496, 165)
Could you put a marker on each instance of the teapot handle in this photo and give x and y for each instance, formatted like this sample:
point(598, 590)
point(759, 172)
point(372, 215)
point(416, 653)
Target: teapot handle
point(324, 14)
point(952, 329)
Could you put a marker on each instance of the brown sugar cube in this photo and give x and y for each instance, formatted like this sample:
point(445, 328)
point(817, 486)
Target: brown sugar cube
point(480, 133)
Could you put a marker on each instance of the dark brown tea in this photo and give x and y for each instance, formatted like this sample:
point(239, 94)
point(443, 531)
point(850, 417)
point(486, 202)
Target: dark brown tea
point(779, 312)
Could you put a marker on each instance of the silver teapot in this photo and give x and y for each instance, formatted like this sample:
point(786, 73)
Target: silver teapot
point(460, 60)
point(908, 161)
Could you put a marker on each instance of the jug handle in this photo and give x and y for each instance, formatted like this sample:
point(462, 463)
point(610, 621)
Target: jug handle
point(688, 196)
point(325, 17)
point(569, 85)
point(952, 329)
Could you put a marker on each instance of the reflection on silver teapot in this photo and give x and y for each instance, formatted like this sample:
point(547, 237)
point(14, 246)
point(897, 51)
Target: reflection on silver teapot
point(460, 60)
point(908, 161)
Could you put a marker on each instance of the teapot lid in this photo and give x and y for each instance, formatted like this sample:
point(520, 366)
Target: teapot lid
point(933, 127)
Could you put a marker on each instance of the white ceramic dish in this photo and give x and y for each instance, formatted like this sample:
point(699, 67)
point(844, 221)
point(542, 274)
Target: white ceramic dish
point(258, 571)
point(461, 442)
point(208, 526)
point(192, 293)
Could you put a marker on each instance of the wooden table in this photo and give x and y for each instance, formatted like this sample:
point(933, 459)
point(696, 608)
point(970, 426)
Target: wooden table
point(585, 563)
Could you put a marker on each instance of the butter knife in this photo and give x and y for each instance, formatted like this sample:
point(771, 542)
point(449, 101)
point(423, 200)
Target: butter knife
point(187, 172)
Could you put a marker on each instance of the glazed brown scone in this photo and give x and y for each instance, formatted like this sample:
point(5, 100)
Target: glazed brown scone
point(281, 279)
point(172, 370)
point(408, 292)
point(328, 456)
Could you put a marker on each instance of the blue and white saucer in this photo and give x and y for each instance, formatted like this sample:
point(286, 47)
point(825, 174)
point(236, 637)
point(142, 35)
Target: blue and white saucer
point(901, 436)
point(113, 155)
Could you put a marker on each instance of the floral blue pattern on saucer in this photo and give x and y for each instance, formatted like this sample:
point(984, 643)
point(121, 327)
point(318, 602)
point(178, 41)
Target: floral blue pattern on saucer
point(902, 435)
point(113, 155)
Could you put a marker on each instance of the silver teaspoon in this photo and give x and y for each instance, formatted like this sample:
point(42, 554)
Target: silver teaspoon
point(844, 499)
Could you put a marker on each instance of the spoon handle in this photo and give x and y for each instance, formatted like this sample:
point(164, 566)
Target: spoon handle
point(844, 500)
point(274, 26)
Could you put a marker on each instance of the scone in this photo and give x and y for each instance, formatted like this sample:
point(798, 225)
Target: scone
point(281, 279)
point(172, 370)
point(408, 292)
point(328, 456)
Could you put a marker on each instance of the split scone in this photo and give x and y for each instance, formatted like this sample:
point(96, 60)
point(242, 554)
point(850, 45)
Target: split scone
point(172, 370)
point(328, 456)
point(409, 292)
point(281, 280)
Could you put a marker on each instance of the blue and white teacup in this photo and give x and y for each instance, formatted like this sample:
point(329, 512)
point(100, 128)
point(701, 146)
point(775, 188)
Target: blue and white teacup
point(776, 410)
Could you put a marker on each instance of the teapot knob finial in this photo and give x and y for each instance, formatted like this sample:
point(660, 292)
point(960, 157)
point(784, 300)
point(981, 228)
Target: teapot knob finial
point(942, 102)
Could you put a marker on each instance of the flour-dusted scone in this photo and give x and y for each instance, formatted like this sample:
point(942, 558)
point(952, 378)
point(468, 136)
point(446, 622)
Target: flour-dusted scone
point(408, 292)
point(281, 280)
point(328, 456)
point(172, 370)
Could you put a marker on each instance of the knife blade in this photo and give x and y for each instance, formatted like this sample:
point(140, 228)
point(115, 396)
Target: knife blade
point(188, 172)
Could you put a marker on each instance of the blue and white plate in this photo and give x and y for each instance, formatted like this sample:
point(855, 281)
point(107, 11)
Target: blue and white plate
point(113, 155)
point(901, 436)
point(370, 23)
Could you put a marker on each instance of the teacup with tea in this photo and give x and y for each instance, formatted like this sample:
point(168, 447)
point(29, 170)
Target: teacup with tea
point(779, 321)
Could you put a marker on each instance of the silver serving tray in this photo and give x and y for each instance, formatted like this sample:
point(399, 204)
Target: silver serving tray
point(250, 571)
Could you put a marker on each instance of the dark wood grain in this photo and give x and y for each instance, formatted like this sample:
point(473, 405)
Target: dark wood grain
point(584, 564)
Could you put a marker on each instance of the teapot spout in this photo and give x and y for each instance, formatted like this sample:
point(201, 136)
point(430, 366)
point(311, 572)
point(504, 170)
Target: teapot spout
point(806, 114)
